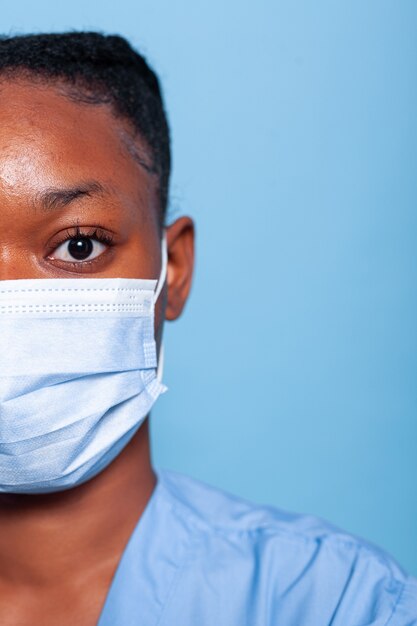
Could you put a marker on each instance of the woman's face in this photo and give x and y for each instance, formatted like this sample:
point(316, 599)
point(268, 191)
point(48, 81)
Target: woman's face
point(74, 202)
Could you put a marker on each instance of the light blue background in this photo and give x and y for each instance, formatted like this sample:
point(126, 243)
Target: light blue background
point(293, 372)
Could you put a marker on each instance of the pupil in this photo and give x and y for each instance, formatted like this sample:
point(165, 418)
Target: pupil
point(80, 248)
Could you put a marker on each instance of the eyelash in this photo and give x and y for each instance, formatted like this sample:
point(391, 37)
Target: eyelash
point(96, 232)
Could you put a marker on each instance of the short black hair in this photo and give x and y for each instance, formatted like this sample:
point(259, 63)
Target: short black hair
point(99, 69)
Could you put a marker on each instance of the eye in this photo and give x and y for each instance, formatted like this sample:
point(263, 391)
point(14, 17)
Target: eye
point(79, 248)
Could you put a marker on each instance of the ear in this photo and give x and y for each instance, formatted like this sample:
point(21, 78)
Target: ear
point(180, 243)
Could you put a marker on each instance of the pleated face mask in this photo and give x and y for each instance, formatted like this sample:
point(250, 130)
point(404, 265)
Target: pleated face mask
point(78, 376)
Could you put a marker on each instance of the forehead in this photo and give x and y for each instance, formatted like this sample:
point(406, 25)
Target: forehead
point(48, 140)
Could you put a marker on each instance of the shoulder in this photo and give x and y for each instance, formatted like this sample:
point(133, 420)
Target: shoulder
point(300, 563)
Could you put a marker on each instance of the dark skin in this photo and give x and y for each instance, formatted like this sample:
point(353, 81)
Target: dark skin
point(59, 552)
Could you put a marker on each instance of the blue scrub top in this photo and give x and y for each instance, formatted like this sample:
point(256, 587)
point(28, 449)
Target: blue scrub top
point(200, 557)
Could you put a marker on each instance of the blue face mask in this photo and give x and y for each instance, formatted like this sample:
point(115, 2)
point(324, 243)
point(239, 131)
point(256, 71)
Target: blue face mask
point(79, 375)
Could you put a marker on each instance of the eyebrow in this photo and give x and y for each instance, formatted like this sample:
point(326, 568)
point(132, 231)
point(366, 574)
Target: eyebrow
point(54, 198)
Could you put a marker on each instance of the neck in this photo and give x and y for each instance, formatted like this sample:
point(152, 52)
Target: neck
point(44, 538)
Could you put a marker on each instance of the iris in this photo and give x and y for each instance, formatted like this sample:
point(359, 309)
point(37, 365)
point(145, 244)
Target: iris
point(80, 248)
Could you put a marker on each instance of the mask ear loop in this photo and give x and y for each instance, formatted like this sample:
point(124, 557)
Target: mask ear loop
point(159, 287)
point(164, 266)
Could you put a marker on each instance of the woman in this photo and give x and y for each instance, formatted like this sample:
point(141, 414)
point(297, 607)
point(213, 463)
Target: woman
point(88, 532)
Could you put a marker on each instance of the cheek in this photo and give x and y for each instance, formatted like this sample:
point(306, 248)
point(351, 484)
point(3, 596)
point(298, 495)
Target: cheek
point(132, 264)
point(138, 257)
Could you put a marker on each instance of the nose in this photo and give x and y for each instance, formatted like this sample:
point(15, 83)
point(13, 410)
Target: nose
point(15, 264)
